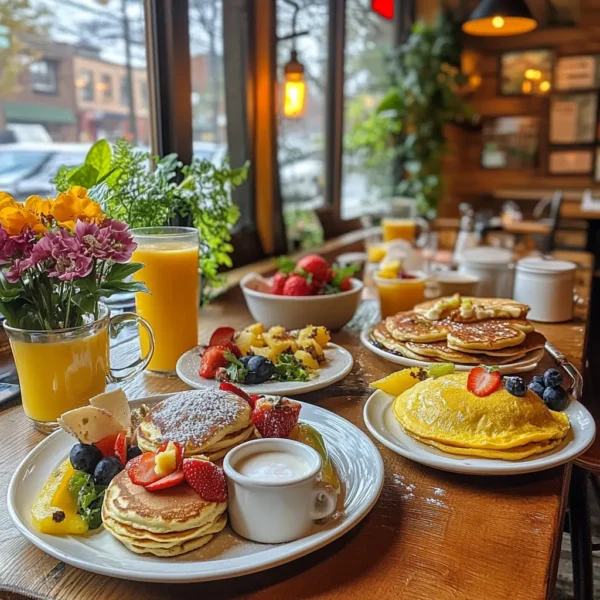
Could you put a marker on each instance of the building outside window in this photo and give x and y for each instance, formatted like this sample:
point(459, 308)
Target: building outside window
point(85, 83)
point(106, 86)
point(43, 76)
point(124, 93)
point(144, 94)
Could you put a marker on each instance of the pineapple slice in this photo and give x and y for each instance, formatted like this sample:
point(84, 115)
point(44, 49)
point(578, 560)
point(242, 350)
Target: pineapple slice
point(313, 348)
point(319, 333)
point(277, 330)
point(266, 352)
point(280, 343)
point(256, 328)
point(245, 339)
point(306, 359)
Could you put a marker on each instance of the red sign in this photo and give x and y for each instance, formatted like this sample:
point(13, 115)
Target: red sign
point(385, 8)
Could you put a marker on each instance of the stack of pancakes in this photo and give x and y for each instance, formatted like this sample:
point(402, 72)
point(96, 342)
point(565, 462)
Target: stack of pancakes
point(444, 414)
point(495, 332)
point(205, 422)
point(166, 523)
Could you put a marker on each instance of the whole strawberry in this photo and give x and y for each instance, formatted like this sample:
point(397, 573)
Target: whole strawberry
point(346, 284)
point(278, 282)
point(206, 479)
point(316, 266)
point(275, 417)
point(296, 285)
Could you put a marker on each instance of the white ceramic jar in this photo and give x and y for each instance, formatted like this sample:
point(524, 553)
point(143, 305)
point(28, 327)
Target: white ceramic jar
point(493, 267)
point(547, 286)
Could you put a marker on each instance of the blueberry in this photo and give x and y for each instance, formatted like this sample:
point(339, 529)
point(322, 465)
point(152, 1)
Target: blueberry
point(85, 457)
point(538, 379)
point(556, 398)
point(553, 378)
point(132, 452)
point(256, 362)
point(245, 360)
point(537, 388)
point(106, 470)
point(261, 370)
point(515, 386)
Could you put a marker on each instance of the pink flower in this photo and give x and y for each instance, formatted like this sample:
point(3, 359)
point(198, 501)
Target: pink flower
point(17, 246)
point(67, 269)
point(19, 266)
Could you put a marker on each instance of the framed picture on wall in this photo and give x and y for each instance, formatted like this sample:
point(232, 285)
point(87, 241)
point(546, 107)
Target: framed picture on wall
point(571, 162)
point(510, 143)
point(577, 73)
point(526, 73)
point(573, 118)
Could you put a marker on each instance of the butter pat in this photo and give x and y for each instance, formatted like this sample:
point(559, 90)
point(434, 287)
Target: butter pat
point(166, 462)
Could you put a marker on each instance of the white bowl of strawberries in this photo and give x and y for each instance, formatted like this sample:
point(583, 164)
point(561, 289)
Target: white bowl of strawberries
point(309, 289)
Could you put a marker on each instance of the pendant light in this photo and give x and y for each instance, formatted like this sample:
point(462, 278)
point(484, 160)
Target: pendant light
point(500, 17)
point(294, 88)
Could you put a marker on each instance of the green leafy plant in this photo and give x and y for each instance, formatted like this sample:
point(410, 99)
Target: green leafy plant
point(147, 191)
point(410, 119)
point(289, 368)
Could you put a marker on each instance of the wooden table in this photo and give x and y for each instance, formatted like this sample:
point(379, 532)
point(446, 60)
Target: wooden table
point(526, 228)
point(431, 534)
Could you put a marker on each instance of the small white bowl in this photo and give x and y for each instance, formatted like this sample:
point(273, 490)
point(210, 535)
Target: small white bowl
point(294, 312)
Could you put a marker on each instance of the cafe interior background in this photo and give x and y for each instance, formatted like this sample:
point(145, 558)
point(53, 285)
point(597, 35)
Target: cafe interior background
point(502, 147)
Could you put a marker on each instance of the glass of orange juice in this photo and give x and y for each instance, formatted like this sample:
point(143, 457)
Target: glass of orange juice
point(62, 369)
point(170, 258)
point(404, 229)
point(400, 294)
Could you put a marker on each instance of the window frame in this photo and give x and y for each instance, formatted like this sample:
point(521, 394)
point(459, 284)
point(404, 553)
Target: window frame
point(52, 67)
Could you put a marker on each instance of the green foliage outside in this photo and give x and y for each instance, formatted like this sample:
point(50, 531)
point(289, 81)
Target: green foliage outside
point(123, 182)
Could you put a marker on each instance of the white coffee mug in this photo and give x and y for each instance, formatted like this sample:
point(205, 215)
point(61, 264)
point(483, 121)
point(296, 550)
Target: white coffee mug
point(273, 512)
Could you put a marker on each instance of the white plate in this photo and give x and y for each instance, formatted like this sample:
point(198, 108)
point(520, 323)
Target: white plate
point(520, 366)
point(381, 422)
point(359, 466)
point(339, 364)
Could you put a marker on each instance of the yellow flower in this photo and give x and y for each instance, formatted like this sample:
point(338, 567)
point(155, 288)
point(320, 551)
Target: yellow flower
point(6, 200)
point(15, 217)
point(74, 204)
point(39, 206)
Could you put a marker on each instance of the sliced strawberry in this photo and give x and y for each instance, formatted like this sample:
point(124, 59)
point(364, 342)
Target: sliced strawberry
point(107, 445)
point(141, 469)
point(206, 479)
point(178, 450)
point(253, 400)
point(227, 386)
point(275, 418)
point(171, 480)
point(120, 449)
point(212, 359)
point(277, 282)
point(221, 336)
point(232, 348)
point(482, 381)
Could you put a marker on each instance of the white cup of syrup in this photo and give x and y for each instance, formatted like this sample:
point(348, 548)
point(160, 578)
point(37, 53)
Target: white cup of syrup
point(274, 492)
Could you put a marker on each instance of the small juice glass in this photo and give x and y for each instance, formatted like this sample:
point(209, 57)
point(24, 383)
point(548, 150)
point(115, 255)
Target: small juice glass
point(170, 258)
point(398, 295)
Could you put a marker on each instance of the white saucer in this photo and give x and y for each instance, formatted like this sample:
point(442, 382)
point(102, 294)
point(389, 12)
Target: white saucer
point(359, 466)
point(519, 366)
point(381, 422)
point(339, 364)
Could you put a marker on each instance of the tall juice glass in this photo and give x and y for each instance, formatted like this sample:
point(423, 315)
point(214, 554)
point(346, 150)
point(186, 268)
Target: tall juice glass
point(399, 229)
point(170, 258)
point(398, 295)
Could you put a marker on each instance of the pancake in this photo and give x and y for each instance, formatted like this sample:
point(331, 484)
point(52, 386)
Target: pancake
point(442, 351)
point(169, 552)
point(533, 341)
point(410, 327)
point(472, 309)
point(484, 336)
point(443, 410)
point(200, 420)
point(175, 509)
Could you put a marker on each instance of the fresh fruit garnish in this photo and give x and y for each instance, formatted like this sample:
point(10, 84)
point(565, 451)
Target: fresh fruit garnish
point(231, 347)
point(253, 400)
point(515, 385)
point(553, 378)
point(177, 447)
point(308, 435)
point(85, 457)
point(346, 284)
point(390, 269)
point(107, 445)
point(171, 480)
point(165, 461)
point(296, 285)
point(440, 369)
point(132, 452)
point(212, 359)
point(106, 470)
point(537, 388)
point(277, 283)
point(221, 336)
point(260, 370)
point(315, 265)
point(538, 379)
point(275, 417)
point(289, 368)
point(556, 398)
point(400, 381)
point(141, 469)
point(226, 386)
point(121, 447)
point(483, 381)
point(89, 497)
point(206, 479)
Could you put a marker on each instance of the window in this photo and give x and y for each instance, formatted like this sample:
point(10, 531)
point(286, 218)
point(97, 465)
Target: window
point(106, 86)
point(43, 77)
point(144, 94)
point(124, 93)
point(85, 83)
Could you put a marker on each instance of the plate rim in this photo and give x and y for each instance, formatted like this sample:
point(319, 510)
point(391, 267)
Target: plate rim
point(521, 366)
point(308, 386)
point(188, 577)
point(456, 464)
